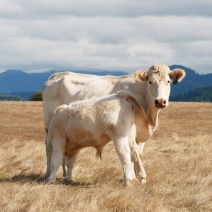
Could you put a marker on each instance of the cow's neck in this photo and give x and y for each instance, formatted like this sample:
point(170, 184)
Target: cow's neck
point(140, 91)
point(152, 114)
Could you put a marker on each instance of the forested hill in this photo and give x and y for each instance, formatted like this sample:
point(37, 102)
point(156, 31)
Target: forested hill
point(197, 95)
point(23, 84)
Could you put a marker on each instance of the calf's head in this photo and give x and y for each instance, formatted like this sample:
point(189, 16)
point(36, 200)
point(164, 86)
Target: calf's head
point(158, 80)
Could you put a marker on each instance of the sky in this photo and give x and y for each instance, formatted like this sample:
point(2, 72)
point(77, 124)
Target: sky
point(113, 35)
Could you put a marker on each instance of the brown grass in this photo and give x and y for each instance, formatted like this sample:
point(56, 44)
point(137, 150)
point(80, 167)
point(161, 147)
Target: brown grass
point(178, 162)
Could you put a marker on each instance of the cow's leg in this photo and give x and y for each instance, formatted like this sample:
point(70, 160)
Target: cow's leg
point(133, 170)
point(138, 166)
point(49, 151)
point(64, 167)
point(141, 148)
point(58, 155)
point(123, 150)
point(131, 139)
point(70, 165)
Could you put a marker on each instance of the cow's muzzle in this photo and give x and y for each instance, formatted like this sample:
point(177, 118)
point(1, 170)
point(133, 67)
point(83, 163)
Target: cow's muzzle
point(160, 103)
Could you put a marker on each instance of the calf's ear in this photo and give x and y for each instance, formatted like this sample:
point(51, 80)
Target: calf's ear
point(141, 75)
point(177, 75)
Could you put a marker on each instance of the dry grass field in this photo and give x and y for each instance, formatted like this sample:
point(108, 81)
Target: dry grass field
point(178, 162)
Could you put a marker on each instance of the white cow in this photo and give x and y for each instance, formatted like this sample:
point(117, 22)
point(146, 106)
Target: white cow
point(151, 89)
point(95, 122)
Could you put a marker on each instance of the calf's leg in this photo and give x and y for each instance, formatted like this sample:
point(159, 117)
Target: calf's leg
point(69, 161)
point(58, 155)
point(123, 150)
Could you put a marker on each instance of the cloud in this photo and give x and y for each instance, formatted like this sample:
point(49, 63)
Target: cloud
point(113, 35)
point(9, 7)
point(93, 8)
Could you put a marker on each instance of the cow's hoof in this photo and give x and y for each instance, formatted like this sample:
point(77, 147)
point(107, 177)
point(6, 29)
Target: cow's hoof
point(143, 180)
point(50, 182)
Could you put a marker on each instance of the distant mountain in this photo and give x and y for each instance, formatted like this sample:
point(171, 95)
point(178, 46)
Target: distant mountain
point(25, 84)
point(197, 95)
point(18, 81)
point(25, 95)
point(5, 97)
point(192, 81)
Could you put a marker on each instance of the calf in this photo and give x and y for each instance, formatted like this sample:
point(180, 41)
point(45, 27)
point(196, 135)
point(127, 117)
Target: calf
point(95, 122)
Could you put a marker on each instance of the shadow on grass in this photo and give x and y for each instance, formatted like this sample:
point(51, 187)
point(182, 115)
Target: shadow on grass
point(23, 178)
point(84, 183)
point(40, 179)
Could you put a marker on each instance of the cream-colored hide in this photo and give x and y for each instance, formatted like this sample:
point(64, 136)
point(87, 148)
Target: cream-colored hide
point(95, 122)
point(151, 89)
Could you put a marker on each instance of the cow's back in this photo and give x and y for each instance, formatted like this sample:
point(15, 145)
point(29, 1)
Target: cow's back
point(68, 87)
point(61, 88)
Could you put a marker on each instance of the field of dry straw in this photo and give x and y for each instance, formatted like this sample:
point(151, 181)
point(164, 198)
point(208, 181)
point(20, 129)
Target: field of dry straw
point(178, 162)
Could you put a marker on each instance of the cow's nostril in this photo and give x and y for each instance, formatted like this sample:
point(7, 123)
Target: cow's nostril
point(160, 102)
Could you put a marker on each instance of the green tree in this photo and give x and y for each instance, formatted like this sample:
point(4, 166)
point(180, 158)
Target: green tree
point(37, 96)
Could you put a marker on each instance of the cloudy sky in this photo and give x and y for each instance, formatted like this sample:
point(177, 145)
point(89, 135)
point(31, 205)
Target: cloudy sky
point(125, 35)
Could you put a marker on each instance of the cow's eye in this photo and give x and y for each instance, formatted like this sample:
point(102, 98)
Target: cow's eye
point(168, 81)
point(150, 82)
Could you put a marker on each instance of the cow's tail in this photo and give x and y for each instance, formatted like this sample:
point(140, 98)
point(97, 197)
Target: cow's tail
point(129, 97)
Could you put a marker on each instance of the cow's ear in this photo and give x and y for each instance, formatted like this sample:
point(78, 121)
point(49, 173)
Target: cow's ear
point(177, 75)
point(141, 75)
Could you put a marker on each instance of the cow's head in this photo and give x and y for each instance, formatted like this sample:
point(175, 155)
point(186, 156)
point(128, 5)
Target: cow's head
point(158, 80)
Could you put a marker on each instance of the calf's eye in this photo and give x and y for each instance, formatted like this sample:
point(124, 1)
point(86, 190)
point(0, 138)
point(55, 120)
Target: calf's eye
point(150, 82)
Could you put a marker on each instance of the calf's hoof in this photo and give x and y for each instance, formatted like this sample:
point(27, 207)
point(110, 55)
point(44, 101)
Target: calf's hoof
point(73, 178)
point(128, 183)
point(47, 175)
